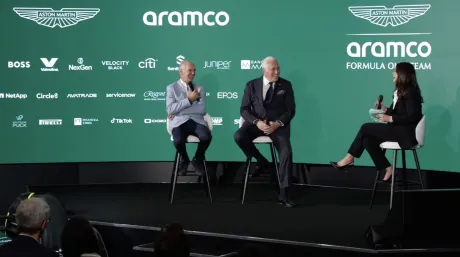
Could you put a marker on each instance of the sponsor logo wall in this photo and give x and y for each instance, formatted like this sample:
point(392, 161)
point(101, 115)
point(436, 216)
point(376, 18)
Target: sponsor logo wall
point(96, 68)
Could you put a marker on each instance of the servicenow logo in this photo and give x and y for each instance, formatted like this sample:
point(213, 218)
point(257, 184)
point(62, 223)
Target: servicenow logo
point(187, 18)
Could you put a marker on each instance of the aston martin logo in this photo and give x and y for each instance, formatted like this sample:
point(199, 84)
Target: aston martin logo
point(50, 18)
point(382, 16)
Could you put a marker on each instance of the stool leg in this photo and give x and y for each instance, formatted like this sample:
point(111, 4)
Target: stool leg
point(246, 176)
point(395, 155)
point(174, 177)
point(418, 168)
point(272, 149)
point(374, 190)
point(404, 173)
point(208, 186)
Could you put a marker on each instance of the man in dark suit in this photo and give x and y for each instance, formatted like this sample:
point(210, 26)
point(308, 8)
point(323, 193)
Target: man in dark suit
point(268, 107)
point(31, 218)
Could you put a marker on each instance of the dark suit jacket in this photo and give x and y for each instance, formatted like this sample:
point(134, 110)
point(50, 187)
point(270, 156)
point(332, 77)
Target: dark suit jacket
point(24, 246)
point(406, 115)
point(282, 106)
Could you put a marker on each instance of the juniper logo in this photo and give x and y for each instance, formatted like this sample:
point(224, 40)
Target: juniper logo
point(188, 18)
point(383, 16)
point(63, 18)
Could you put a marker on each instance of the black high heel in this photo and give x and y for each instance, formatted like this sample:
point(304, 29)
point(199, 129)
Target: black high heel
point(344, 167)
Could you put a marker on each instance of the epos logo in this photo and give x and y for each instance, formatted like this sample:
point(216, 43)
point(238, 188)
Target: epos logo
point(227, 95)
point(18, 64)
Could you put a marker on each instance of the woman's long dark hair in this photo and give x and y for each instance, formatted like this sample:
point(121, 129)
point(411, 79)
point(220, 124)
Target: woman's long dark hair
point(78, 237)
point(407, 79)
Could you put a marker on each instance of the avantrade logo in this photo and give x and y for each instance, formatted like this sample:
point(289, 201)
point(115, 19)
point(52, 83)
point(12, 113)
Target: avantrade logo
point(63, 18)
point(187, 18)
point(391, 51)
point(383, 16)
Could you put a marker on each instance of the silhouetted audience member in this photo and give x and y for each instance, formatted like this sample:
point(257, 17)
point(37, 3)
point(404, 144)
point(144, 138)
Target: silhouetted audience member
point(172, 242)
point(252, 250)
point(32, 217)
point(78, 239)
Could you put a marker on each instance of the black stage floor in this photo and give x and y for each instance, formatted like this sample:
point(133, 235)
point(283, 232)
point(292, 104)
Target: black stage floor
point(333, 216)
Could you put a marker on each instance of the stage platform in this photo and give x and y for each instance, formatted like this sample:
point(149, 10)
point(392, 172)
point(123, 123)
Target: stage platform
point(327, 221)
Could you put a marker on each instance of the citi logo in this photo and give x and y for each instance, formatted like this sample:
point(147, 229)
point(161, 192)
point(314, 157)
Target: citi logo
point(187, 18)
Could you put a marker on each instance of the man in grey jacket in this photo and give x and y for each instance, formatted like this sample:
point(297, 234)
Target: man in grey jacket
point(185, 104)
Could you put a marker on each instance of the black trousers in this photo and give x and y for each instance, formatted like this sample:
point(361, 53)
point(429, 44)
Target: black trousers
point(191, 128)
point(370, 136)
point(281, 139)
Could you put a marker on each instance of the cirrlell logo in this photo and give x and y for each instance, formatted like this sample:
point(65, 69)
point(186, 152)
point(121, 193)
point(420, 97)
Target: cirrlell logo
point(395, 16)
point(63, 18)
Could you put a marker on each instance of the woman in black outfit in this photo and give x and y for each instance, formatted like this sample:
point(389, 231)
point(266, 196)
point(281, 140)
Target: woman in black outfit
point(401, 119)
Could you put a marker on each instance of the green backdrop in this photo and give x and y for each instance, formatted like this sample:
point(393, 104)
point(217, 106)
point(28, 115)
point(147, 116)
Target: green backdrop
point(339, 55)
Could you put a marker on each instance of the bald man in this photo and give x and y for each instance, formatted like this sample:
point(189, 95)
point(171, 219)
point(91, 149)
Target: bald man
point(185, 105)
point(268, 106)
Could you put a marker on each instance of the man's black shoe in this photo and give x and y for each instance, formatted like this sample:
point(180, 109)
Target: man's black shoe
point(183, 165)
point(261, 168)
point(199, 167)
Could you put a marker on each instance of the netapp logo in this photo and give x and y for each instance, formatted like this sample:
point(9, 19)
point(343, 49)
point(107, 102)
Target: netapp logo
point(149, 121)
point(12, 96)
point(188, 18)
point(92, 95)
point(81, 67)
point(47, 96)
point(227, 95)
point(50, 122)
point(116, 120)
point(49, 64)
point(18, 64)
point(120, 95)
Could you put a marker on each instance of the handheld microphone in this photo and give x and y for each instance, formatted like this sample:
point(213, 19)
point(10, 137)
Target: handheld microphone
point(379, 105)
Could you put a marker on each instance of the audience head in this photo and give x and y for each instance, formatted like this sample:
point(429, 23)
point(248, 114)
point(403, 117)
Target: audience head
point(78, 237)
point(271, 68)
point(187, 71)
point(405, 78)
point(32, 216)
point(172, 242)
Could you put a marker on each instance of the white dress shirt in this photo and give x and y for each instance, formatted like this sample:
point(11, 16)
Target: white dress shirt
point(395, 98)
point(186, 87)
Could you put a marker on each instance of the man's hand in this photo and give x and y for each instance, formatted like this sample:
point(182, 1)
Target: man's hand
point(263, 126)
point(194, 96)
point(170, 116)
point(384, 118)
point(273, 126)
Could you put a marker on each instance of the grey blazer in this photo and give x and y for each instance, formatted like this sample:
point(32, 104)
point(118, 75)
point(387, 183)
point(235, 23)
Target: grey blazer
point(178, 105)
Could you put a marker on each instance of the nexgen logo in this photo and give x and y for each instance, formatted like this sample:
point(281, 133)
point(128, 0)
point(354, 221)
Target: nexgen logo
point(49, 64)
